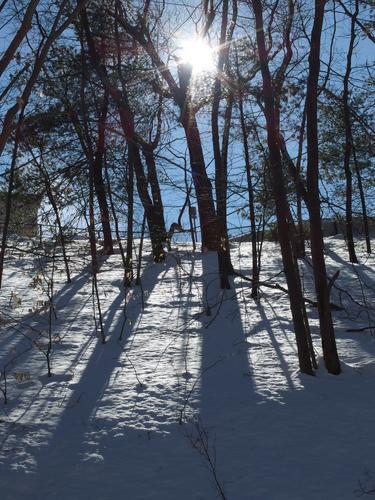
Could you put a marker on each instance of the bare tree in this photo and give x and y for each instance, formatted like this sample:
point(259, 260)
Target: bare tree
point(284, 218)
point(41, 53)
point(313, 197)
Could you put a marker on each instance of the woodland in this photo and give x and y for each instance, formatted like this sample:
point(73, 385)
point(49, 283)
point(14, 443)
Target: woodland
point(196, 295)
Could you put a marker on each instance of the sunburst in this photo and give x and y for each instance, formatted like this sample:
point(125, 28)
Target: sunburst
point(198, 53)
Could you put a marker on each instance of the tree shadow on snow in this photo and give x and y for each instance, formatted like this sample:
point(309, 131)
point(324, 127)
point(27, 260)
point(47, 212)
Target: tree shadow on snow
point(227, 396)
point(64, 430)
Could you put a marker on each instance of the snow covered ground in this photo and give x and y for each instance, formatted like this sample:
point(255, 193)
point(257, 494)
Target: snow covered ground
point(195, 396)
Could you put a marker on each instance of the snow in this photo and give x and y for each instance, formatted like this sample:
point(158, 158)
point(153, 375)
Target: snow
point(197, 393)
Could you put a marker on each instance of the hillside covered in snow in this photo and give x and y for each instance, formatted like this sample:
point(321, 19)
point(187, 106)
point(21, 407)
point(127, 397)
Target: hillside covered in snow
point(196, 392)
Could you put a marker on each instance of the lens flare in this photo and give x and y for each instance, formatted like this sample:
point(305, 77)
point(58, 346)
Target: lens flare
point(199, 54)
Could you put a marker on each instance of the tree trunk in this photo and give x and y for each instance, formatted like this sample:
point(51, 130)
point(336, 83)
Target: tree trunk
point(313, 199)
point(221, 168)
point(51, 199)
point(152, 176)
point(114, 214)
point(250, 190)
point(301, 250)
point(8, 205)
point(348, 146)
point(363, 201)
point(284, 219)
point(24, 28)
point(156, 234)
point(202, 184)
point(128, 277)
point(97, 172)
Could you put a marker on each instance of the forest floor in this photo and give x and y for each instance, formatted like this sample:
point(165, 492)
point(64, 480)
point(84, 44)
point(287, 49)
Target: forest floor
point(196, 395)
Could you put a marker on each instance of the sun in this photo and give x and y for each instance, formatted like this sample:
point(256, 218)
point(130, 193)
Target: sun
point(198, 53)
